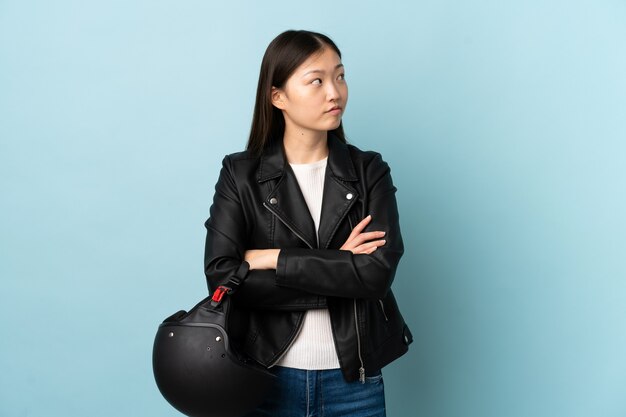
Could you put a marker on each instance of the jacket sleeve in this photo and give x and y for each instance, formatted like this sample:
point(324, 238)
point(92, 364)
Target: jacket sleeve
point(340, 273)
point(225, 249)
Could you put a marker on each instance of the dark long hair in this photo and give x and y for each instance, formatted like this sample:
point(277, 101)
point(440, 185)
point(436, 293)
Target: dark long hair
point(283, 55)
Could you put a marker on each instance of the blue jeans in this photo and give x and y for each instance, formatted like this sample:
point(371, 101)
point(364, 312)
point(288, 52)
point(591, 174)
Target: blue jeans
point(302, 393)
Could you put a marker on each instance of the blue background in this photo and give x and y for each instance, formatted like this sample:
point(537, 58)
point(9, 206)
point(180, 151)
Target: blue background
point(504, 124)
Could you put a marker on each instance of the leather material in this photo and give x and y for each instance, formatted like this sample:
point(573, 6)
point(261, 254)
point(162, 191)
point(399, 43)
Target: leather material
point(258, 205)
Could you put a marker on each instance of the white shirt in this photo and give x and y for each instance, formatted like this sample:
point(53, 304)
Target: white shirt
point(314, 346)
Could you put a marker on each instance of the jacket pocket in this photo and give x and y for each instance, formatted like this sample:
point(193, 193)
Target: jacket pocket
point(384, 321)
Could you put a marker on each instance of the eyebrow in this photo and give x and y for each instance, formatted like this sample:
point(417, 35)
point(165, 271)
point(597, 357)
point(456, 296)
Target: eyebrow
point(320, 71)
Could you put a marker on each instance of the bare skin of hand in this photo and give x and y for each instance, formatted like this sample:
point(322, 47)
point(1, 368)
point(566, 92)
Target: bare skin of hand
point(262, 258)
point(359, 243)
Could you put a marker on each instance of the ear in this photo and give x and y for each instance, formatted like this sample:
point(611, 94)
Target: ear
point(278, 98)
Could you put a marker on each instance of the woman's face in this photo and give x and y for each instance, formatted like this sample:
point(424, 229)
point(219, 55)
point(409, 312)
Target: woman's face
point(315, 95)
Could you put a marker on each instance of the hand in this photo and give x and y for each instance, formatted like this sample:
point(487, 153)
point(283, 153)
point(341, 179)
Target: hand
point(363, 243)
point(262, 258)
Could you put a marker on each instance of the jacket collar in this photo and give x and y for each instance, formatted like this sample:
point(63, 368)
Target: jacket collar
point(286, 202)
point(339, 161)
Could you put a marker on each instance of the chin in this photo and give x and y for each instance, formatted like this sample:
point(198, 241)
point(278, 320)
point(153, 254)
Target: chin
point(333, 126)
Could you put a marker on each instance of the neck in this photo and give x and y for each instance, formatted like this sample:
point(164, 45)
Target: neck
point(305, 147)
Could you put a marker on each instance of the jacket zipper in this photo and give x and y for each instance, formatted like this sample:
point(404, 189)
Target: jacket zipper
point(356, 326)
point(358, 345)
point(382, 308)
point(288, 226)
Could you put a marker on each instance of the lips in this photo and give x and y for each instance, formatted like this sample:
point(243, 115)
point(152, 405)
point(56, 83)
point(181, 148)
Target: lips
point(335, 109)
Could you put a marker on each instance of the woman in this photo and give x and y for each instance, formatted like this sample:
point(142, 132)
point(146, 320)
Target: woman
point(317, 221)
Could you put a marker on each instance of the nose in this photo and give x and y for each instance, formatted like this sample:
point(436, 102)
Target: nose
point(333, 92)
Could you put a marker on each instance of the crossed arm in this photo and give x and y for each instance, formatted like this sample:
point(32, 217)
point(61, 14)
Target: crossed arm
point(358, 242)
point(302, 278)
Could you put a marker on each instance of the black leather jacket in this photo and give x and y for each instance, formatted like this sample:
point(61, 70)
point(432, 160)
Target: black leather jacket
point(258, 205)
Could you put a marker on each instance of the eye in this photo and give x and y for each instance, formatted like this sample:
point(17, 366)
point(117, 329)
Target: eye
point(317, 81)
point(342, 77)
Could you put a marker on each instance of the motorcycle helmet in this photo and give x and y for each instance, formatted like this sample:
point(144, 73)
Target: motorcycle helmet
point(196, 368)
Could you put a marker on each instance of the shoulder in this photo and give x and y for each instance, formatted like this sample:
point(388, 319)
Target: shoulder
point(241, 168)
point(240, 161)
point(238, 157)
point(368, 160)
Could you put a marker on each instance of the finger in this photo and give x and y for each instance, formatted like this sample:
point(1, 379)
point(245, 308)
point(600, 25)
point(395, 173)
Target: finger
point(365, 250)
point(358, 228)
point(371, 246)
point(355, 232)
point(372, 250)
point(361, 225)
point(374, 245)
point(365, 237)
